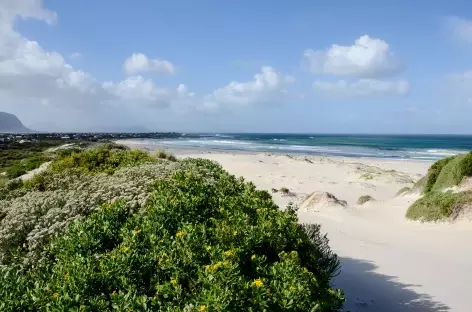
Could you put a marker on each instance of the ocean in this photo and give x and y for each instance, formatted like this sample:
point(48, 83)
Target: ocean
point(420, 147)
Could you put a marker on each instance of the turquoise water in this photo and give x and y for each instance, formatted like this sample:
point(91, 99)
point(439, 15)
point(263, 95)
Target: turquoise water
point(425, 147)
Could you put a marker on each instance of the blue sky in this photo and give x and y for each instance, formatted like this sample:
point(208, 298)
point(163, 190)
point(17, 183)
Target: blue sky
point(240, 66)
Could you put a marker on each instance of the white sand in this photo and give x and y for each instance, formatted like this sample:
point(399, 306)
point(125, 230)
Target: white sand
point(388, 263)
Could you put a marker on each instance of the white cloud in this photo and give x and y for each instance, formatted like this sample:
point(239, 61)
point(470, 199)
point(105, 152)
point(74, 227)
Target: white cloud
point(268, 86)
point(460, 28)
point(13, 9)
point(140, 63)
point(366, 58)
point(362, 88)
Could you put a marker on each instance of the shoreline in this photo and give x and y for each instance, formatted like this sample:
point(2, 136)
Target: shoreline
point(182, 151)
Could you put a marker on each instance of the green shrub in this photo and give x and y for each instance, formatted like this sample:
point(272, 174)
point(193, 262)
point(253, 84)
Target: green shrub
point(205, 242)
point(434, 206)
point(403, 190)
point(364, 199)
point(454, 171)
point(25, 165)
point(102, 159)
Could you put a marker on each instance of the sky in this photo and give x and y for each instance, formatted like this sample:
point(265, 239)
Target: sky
point(302, 66)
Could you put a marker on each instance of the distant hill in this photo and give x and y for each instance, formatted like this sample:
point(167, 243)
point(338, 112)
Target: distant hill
point(11, 123)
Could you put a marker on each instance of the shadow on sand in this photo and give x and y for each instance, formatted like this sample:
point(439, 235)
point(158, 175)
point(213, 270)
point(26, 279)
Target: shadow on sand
point(366, 290)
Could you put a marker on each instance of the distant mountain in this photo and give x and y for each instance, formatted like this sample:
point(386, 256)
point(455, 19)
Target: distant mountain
point(11, 123)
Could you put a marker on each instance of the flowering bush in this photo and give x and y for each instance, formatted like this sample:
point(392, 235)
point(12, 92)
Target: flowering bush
point(205, 241)
point(103, 159)
point(33, 210)
point(147, 234)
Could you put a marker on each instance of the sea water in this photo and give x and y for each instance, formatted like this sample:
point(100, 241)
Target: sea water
point(420, 147)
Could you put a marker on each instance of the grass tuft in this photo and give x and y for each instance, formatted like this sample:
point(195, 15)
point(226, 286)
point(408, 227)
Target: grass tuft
point(364, 199)
point(403, 191)
point(165, 155)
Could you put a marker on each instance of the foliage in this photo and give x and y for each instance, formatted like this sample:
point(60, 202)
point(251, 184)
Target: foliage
point(454, 171)
point(101, 159)
point(367, 176)
point(205, 241)
point(403, 190)
point(448, 172)
point(434, 206)
point(364, 199)
point(284, 191)
point(25, 165)
point(16, 159)
point(165, 155)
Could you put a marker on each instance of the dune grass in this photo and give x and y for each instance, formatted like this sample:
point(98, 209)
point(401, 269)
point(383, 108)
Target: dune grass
point(433, 173)
point(447, 172)
point(403, 191)
point(165, 155)
point(364, 199)
point(453, 172)
point(434, 206)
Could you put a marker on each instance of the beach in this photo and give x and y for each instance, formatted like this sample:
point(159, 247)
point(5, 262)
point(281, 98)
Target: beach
point(388, 263)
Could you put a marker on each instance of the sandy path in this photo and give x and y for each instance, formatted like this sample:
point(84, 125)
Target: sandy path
point(388, 263)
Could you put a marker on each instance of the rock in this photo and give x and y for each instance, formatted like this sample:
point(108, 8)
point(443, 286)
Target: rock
point(321, 200)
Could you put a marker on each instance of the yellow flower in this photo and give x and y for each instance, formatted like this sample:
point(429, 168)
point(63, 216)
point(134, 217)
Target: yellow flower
point(67, 276)
point(228, 253)
point(257, 283)
point(56, 295)
point(203, 307)
point(179, 234)
point(136, 231)
point(113, 293)
point(253, 257)
point(173, 282)
point(126, 249)
point(217, 265)
point(208, 248)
